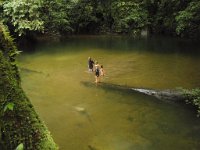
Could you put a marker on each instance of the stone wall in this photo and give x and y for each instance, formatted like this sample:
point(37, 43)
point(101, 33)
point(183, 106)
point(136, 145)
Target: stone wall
point(19, 123)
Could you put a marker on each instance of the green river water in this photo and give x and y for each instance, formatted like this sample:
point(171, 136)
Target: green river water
point(89, 117)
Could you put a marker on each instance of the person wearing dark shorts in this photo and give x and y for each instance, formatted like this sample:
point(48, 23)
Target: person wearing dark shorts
point(97, 72)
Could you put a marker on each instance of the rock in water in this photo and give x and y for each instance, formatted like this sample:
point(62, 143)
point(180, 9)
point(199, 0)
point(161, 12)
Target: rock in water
point(80, 109)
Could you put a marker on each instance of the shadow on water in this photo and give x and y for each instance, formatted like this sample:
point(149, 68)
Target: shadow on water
point(126, 90)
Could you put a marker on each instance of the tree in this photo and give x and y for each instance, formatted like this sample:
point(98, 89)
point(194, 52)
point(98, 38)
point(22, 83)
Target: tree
point(23, 15)
point(162, 13)
point(188, 21)
point(172, 17)
point(55, 16)
point(129, 17)
point(83, 17)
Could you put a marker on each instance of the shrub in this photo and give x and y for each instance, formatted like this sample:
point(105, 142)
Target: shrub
point(193, 97)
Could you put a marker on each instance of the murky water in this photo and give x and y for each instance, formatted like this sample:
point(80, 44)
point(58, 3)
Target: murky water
point(83, 116)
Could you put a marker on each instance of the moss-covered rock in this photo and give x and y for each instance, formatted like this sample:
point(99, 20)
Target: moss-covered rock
point(193, 97)
point(19, 123)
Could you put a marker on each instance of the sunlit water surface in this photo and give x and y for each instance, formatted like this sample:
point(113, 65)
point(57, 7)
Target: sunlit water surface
point(83, 116)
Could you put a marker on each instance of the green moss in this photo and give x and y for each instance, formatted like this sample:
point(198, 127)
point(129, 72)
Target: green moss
point(9, 49)
point(21, 124)
point(193, 97)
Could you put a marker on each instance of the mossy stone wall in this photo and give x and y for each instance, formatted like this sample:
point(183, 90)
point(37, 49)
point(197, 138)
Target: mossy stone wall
point(19, 123)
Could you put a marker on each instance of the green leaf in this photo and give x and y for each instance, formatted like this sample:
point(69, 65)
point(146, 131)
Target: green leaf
point(20, 147)
point(9, 106)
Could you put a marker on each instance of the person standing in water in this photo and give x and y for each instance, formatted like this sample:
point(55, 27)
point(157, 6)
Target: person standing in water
point(90, 64)
point(97, 72)
point(102, 72)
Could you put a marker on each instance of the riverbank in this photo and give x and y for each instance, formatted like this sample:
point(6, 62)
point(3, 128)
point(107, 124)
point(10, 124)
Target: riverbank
point(19, 124)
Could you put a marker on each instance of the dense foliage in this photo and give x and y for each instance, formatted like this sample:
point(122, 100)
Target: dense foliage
point(193, 97)
point(188, 20)
point(128, 17)
point(55, 16)
point(23, 15)
point(173, 17)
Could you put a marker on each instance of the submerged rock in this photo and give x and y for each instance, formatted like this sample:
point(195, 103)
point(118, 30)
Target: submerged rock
point(170, 95)
point(164, 95)
point(91, 147)
point(83, 111)
point(80, 109)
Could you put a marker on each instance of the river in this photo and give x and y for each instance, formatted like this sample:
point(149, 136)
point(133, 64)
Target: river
point(92, 117)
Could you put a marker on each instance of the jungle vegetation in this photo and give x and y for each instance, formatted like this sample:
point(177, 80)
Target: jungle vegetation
point(63, 17)
point(168, 17)
point(193, 97)
point(35, 17)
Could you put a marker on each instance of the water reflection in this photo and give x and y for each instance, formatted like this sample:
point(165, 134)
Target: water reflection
point(156, 44)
